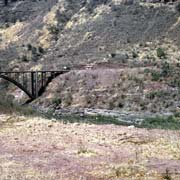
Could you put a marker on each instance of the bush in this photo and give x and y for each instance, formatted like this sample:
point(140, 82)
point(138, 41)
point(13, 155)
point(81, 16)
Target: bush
point(178, 7)
point(155, 75)
point(34, 50)
point(53, 30)
point(57, 101)
point(165, 69)
point(160, 53)
point(169, 122)
point(7, 106)
point(146, 71)
point(175, 82)
point(158, 93)
point(24, 58)
point(134, 54)
point(67, 100)
point(41, 50)
point(29, 47)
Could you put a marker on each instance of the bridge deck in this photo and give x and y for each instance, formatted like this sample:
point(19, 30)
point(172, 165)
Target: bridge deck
point(59, 71)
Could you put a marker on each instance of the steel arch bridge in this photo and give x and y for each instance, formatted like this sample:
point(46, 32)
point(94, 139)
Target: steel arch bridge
point(33, 83)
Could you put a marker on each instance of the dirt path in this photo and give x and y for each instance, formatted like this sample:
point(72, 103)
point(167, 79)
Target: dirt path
point(36, 148)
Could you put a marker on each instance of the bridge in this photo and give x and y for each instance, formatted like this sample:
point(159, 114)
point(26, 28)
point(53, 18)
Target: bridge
point(33, 83)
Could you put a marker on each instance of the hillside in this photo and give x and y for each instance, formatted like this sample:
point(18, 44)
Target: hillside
point(114, 113)
point(123, 55)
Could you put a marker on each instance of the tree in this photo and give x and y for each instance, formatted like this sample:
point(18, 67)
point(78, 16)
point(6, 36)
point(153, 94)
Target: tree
point(5, 2)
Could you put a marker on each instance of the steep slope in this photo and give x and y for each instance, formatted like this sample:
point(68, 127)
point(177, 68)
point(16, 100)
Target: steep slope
point(95, 32)
point(21, 24)
point(81, 32)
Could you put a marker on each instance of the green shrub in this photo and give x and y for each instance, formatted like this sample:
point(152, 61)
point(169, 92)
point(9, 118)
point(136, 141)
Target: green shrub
point(158, 93)
point(166, 69)
point(155, 75)
point(56, 101)
point(160, 53)
point(41, 50)
point(167, 175)
point(24, 58)
point(175, 82)
point(53, 30)
point(34, 50)
point(7, 106)
point(146, 71)
point(7, 25)
point(178, 7)
point(169, 122)
point(134, 54)
point(177, 115)
point(29, 47)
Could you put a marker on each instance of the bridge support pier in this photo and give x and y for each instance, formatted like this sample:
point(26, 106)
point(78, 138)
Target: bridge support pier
point(32, 83)
point(36, 84)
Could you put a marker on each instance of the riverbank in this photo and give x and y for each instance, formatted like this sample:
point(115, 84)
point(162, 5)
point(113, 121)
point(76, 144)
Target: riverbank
point(97, 116)
point(103, 116)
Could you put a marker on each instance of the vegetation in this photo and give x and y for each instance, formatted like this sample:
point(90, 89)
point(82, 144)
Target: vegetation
point(29, 47)
point(86, 119)
point(178, 7)
point(165, 71)
point(53, 30)
point(155, 75)
point(24, 58)
point(9, 107)
point(161, 53)
point(31, 52)
point(56, 101)
point(117, 62)
point(170, 122)
point(41, 50)
point(159, 122)
point(134, 54)
point(5, 2)
point(157, 93)
point(167, 175)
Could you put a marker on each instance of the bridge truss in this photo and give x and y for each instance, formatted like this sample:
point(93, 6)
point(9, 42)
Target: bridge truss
point(33, 83)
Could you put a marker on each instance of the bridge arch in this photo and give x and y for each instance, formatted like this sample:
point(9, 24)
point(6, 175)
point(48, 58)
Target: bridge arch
point(17, 84)
point(37, 80)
